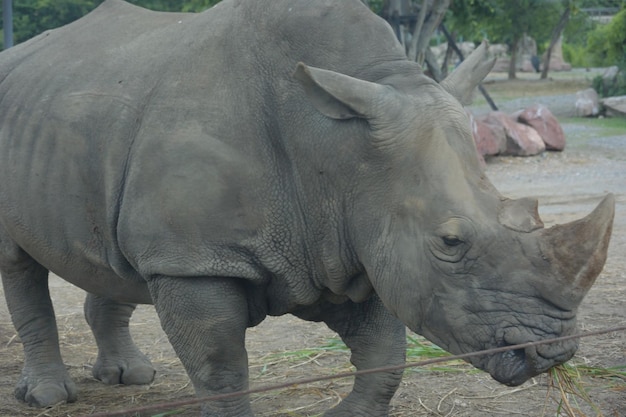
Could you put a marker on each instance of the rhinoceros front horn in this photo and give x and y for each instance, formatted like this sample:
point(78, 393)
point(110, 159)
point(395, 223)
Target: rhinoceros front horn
point(577, 250)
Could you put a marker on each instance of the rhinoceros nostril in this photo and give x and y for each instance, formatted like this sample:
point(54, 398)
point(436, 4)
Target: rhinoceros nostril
point(515, 354)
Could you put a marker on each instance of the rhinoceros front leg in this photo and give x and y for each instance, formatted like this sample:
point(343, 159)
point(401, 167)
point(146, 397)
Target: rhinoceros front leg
point(44, 381)
point(119, 360)
point(205, 319)
point(376, 339)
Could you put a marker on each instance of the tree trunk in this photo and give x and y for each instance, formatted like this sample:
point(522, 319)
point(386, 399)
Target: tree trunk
point(432, 12)
point(394, 8)
point(412, 55)
point(513, 63)
point(556, 34)
point(7, 18)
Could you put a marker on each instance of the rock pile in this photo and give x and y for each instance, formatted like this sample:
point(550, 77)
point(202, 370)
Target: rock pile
point(615, 106)
point(588, 104)
point(524, 133)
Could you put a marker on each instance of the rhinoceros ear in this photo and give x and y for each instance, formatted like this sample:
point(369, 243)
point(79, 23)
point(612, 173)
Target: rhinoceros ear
point(520, 215)
point(462, 81)
point(336, 95)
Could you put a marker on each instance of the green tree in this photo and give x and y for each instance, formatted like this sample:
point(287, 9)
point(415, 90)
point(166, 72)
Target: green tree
point(505, 21)
point(606, 46)
point(607, 43)
point(31, 17)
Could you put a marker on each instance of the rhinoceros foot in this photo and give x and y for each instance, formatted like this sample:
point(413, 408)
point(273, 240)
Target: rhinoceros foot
point(348, 408)
point(130, 369)
point(47, 388)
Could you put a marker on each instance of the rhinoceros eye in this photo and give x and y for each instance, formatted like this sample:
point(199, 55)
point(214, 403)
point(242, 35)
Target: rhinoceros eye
point(452, 241)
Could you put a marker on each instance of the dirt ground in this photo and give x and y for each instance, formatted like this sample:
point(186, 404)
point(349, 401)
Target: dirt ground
point(568, 185)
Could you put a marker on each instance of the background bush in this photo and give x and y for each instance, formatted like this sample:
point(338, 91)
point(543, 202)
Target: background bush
point(606, 44)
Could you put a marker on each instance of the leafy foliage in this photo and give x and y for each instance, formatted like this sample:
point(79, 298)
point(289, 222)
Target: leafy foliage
point(576, 55)
point(607, 44)
point(578, 28)
point(504, 21)
point(615, 88)
point(375, 5)
point(31, 17)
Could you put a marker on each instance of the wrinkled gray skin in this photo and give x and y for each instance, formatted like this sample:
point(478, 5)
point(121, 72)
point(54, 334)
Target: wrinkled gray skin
point(189, 161)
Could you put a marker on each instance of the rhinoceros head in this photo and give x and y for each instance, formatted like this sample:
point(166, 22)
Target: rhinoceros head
point(443, 249)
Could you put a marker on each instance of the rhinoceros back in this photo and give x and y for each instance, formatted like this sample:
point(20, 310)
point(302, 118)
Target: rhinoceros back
point(70, 104)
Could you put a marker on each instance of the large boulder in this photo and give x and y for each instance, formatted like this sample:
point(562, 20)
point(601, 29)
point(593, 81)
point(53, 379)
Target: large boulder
point(587, 103)
point(521, 140)
point(490, 139)
point(540, 118)
point(615, 106)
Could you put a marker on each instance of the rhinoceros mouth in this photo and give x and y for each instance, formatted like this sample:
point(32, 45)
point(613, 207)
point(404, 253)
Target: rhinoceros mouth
point(516, 366)
point(510, 367)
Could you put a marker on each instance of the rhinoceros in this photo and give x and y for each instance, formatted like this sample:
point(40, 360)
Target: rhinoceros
point(261, 158)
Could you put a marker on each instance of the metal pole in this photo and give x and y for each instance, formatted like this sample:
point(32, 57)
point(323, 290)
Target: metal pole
point(7, 19)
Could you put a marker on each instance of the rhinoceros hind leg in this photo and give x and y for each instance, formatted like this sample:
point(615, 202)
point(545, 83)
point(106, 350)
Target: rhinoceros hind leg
point(45, 380)
point(119, 360)
point(376, 339)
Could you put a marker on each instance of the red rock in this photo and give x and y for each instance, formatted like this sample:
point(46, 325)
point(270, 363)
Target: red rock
point(543, 121)
point(521, 140)
point(490, 139)
point(525, 141)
